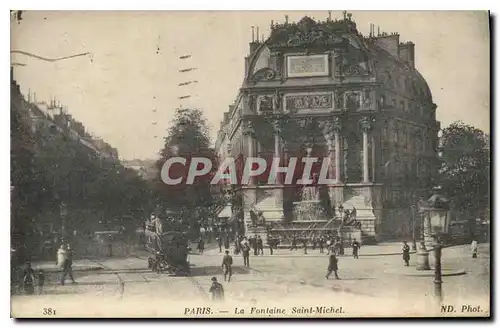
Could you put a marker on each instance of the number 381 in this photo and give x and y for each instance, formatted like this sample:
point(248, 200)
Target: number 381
point(49, 311)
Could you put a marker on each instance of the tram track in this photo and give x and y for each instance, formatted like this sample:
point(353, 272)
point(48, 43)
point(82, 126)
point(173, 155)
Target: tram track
point(120, 280)
point(203, 293)
point(119, 275)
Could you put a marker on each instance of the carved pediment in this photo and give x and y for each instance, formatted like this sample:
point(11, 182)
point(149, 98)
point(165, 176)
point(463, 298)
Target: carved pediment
point(305, 33)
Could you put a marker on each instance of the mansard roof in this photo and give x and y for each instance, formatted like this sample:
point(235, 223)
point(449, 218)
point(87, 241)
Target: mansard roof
point(339, 36)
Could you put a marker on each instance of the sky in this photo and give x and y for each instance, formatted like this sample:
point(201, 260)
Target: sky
point(127, 90)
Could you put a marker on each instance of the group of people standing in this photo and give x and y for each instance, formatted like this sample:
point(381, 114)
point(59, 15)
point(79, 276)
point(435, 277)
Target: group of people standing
point(333, 245)
point(32, 279)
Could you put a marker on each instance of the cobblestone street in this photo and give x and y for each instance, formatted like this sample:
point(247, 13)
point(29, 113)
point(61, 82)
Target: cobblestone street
point(369, 284)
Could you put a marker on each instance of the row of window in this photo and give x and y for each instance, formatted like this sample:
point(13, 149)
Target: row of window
point(406, 84)
point(404, 105)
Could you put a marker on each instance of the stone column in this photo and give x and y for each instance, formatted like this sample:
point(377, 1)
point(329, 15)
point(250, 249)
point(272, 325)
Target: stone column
point(365, 127)
point(337, 127)
point(277, 127)
point(248, 132)
point(373, 155)
point(277, 154)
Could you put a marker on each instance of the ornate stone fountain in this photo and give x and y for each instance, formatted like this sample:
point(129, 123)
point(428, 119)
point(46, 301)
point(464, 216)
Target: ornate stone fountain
point(309, 208)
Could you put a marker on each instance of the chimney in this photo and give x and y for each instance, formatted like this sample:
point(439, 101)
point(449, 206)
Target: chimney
point(253, 46)
point(407, 53)
point(389, 42)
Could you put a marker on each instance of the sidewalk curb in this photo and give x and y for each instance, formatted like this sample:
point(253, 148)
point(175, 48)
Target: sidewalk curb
point(307, 255)
point(430, 250)
point(84, 269)
point(430, 273)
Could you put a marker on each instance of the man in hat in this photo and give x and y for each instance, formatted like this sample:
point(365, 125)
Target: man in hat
point(28, 279)
point(110, 245)
point(332, 266)
point(216, 290)
point(201, 245)
point(219, 243)
point(294, 243)
point(406, 253)
point(355, 248)
point(260, 246)
point(65, 260)
point(245, 251)
point(227, 262)
point(321, 243)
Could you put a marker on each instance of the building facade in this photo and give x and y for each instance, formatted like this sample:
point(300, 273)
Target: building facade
point(321, 89)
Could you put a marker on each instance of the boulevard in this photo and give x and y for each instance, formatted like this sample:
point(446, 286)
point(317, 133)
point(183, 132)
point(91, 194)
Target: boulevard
point(287, 279)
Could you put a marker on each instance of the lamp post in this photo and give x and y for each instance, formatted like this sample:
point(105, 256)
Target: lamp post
point(414, 241)
point(438, 282)
point(437, 213)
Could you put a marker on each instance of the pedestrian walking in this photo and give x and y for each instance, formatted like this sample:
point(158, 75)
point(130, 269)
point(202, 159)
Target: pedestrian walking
point(304, 244)
point(226, 242)
point(41, 281)
point(270, 243)
point(201, 246)
point(254, 245)
point(216, 290)
point(245, 250)
point(110, 246)
point(65, 259)
point(336, 246)
point(260, 245)
point(219, 242)
point(473, 247)
point(321, 243)
point(406, 253)
point(28, 279)
point(355, 248)
point(237, 245)
point(294, 243)
point(227, 263)
point(314, 243)
point(332, 266)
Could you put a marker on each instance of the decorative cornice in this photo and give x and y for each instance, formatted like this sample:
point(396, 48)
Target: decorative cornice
point(309, 33)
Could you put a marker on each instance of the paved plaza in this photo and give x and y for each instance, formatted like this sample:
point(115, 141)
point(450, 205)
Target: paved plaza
point(370, 285)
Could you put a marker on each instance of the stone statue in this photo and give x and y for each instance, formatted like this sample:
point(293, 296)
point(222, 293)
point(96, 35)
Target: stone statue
point(251, 103)
point(277, 101)
point(266, 103)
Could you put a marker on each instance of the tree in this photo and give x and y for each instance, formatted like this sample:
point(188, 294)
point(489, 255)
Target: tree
point(465, 168)
point(24, 200)
point(187, 137)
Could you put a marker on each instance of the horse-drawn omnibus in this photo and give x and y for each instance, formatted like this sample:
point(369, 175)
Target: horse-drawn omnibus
point(168, 246)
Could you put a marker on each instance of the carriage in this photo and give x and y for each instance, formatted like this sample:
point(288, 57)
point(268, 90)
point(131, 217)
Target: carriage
point(168, 246)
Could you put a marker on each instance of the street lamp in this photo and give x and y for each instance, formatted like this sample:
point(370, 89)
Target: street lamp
point(414, 241)
point(436, 214)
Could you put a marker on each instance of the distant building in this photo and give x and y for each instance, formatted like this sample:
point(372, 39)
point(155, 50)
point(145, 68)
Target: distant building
point(43, 116)
point(145, 168)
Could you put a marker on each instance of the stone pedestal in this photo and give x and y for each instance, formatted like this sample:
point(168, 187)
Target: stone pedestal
point(266, 201)
point(364, 198)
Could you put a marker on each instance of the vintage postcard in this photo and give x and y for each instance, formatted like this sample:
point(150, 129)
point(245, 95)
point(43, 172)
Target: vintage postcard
point(250, 164)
